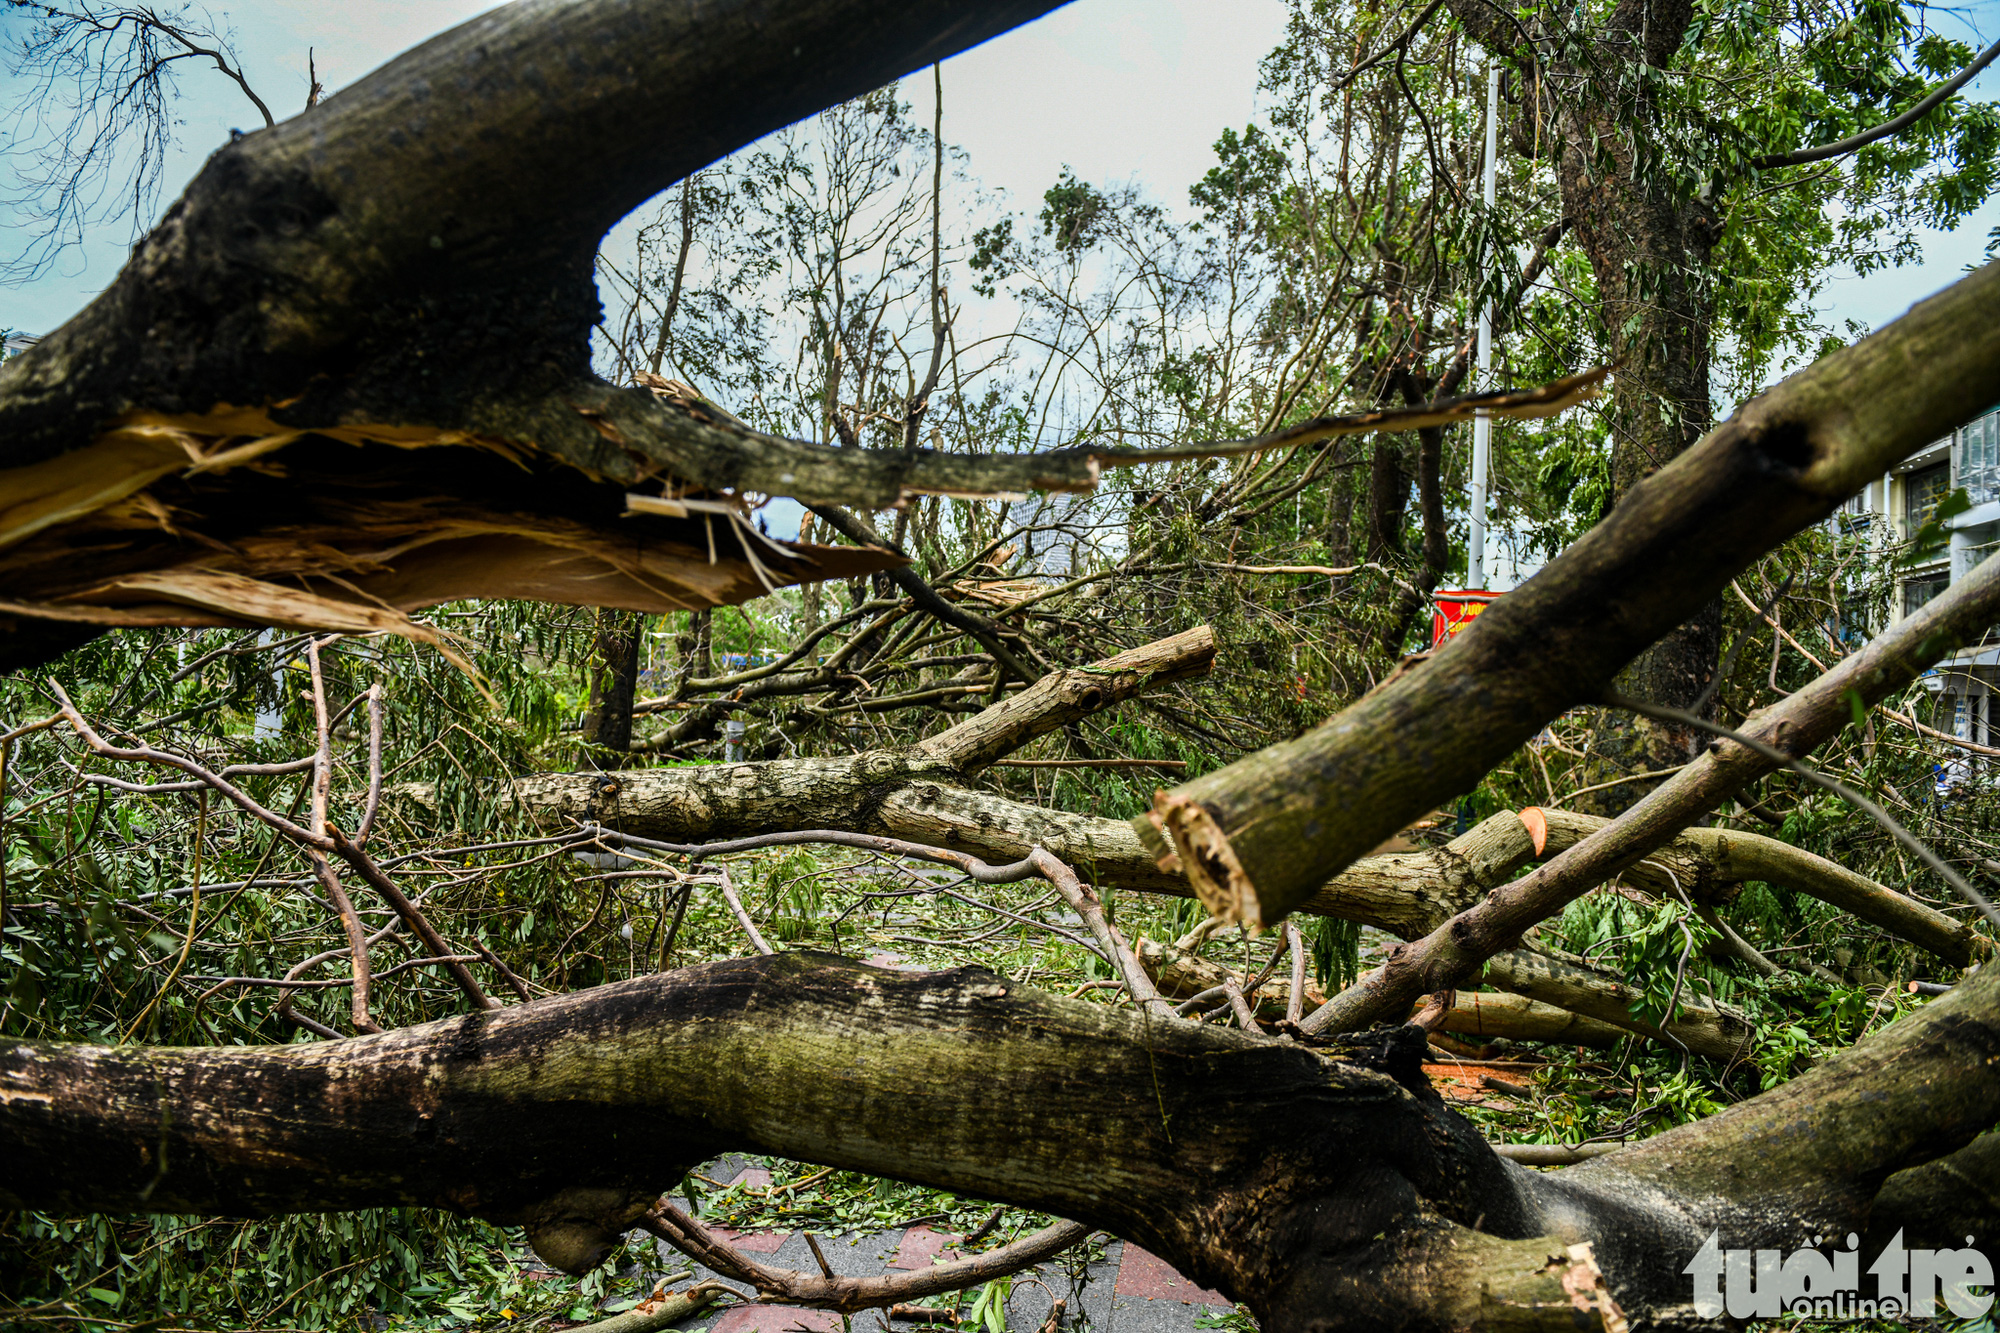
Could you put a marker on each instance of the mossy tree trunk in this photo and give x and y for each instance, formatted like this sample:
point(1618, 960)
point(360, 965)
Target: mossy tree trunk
point(1327, 1188)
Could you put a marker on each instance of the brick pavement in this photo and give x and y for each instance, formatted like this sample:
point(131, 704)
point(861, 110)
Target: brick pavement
point(1130, 1291)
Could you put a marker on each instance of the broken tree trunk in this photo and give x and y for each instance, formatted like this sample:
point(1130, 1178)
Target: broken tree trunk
point(1326, 1188)
point(1457, 949)
point(348, 373)
point(1257, 839)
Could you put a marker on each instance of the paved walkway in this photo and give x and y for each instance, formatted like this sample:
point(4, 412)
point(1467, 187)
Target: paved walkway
point(1131, 1291)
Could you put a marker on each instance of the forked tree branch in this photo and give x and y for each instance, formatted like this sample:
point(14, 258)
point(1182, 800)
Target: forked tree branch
point(1257, 838)
point(1455, 950)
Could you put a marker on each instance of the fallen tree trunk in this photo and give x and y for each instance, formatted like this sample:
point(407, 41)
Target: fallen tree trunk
point(1517, 1017)
point(1326, 1188)
point(1704, 861)
point(1454, 952)
point(1257, 839)
point(1565, 982)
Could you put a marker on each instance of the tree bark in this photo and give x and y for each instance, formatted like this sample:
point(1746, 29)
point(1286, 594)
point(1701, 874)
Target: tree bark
point(614, 677)
point(1326, 1188)
point(1258, 837)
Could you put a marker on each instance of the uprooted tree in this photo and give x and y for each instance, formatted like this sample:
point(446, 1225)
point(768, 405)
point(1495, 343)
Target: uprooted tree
point(347, 379)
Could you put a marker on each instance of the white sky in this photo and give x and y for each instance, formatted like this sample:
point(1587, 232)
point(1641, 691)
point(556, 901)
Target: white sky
point(1115, 89)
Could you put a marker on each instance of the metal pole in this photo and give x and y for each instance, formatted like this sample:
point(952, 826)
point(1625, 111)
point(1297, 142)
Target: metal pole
point(1482, 426)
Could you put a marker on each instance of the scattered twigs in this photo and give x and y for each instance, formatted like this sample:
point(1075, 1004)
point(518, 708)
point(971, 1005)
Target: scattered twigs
point(145, 754)
point(317, 840)
point(515, 982)
point(819, 1255)
point(365, 867)
point(984, 1229)
point(1087, 905)
point(1039, 863)
point(849, 1295)
point(1970, 747)
point(1200, 999)
point(856, 529)
point(757, 940)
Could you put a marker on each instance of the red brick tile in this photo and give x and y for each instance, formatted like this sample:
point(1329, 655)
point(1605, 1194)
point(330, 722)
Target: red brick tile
point(753, 1177)
point(776, 1319)
point(920, 1246)
point(1153, 1278)
point(754, 1242)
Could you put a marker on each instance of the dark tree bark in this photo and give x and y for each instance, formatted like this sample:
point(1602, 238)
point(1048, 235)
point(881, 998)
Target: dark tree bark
point(1327, 1189)
point(1388, 500)
point(385, 304)
point(614, 677)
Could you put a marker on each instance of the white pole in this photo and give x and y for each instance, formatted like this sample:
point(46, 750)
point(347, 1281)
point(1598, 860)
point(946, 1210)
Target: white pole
point(1482, 426)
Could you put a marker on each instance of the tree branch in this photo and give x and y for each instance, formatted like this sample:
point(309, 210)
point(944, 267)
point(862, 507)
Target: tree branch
point(1455, 950)
point(1258, 837)
point(1854, 143)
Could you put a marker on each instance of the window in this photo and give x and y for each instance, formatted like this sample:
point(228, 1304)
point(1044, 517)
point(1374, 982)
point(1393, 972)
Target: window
point(1921, 588)
point(1976, 452)
point(1922, 490)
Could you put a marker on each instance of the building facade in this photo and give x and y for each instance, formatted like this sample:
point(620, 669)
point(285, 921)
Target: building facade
point(1894, 510)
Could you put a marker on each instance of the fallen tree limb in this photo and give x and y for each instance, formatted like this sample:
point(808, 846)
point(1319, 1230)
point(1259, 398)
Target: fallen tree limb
point(1473, 1013)
point(1566, 983)
point(1455, 951)
point(662, 1310)
point(851, 1295)
point(1701, 860)
point(1257, 838)
point(1317, 1185)
point(858, 530)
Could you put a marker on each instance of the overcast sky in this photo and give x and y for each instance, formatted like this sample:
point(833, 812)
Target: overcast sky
point(1115, 89)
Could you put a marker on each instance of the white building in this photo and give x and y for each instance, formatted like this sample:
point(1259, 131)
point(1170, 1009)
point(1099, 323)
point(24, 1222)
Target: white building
point(1897, 507)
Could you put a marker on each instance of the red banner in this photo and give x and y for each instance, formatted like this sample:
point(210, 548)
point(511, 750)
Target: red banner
point(1457, 609)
